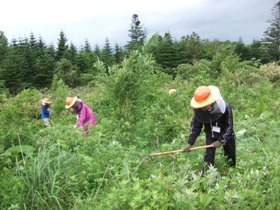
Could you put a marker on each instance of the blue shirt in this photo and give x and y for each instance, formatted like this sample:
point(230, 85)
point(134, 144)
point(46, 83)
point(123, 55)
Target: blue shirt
point(45, 111)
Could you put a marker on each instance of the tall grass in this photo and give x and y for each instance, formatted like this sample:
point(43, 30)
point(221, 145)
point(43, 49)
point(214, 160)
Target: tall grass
point(46, 179)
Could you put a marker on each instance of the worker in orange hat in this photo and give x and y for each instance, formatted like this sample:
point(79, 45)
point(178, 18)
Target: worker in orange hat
point(212, 113)
point(45, 113)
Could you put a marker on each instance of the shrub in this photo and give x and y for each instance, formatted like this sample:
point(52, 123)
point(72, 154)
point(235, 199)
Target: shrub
point(271, 71)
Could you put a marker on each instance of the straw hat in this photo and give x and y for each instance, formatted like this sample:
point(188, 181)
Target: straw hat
point(172, 92)
point(70, 102)
point(204, 96)
point(46, 101)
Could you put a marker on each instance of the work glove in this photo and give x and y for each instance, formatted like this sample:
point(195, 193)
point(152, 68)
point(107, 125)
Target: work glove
point(223, 141)
point(187, 149)
point(217, 144)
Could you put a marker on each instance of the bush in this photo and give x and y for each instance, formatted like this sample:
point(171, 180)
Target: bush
point(19, 117)
point(271, 71)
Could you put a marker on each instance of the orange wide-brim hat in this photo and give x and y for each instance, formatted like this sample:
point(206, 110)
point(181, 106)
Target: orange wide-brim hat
point(204, 96)
point(70, 102)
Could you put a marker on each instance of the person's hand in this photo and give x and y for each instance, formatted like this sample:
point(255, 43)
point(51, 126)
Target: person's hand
point(217, 144)
point(223, 141)
point(187, 149)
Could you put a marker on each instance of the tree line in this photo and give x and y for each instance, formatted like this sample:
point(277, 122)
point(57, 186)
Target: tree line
point(30, 63)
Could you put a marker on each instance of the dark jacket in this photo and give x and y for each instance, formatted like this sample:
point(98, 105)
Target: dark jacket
point(224, 122)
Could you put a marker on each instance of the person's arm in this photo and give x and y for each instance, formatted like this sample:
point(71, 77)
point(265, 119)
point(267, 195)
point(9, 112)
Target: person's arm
point(82, 118)
point(229, 123)
point(195, 130)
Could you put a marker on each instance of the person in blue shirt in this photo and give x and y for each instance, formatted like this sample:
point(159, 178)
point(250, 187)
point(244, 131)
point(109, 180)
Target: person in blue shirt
point(45, 113)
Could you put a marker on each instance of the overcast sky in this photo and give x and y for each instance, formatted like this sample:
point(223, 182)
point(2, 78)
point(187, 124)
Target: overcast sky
point(95, 20)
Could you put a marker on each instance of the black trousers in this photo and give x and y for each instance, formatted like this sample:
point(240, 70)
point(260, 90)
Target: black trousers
point(229, 152)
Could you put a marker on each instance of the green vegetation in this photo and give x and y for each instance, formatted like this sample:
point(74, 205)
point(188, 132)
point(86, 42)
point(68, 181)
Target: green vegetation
point(60, 168)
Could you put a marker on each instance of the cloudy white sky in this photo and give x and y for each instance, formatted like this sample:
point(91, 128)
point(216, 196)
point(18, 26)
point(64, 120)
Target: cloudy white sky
point(95, 20)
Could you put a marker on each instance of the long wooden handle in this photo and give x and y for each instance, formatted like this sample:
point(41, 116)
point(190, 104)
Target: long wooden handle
point(180, 150)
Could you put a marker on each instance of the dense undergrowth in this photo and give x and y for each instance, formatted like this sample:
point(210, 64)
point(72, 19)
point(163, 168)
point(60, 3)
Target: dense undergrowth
point(61, 168)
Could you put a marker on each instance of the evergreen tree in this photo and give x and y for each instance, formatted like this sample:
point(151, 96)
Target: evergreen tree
point(51, 50)
point(68, 72)
point(41, 46)
point(41, 43)
point(13, 69)
point(72, 53)
point(28, 63)
point(35, 54)
point(46, 66)
point(45, 63)
point(258, 51)
point(87, 47)
point(137, 34)
point(242, 50)
point(119, 54)
point(3, 46)
point(107, 55)
point(271, 38)
point(193, 47)
point(33, 42)
point(182, 52)
point(62, 46)
point(85, 61)
point(167, 54)
point(97, 51)
point(210, 48)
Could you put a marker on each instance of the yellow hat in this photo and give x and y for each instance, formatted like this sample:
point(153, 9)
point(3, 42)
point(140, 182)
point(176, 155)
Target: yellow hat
point(70, 102)
point(204, 96)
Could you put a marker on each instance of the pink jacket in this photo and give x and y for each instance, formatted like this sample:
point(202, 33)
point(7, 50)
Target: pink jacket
point(85, 116)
